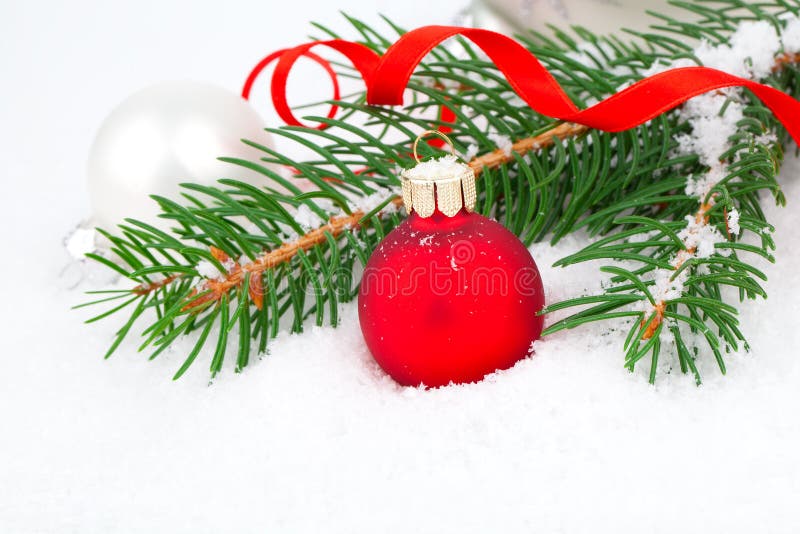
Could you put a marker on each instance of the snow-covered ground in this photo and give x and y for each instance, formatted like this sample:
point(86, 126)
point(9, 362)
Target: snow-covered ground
point(314, 438)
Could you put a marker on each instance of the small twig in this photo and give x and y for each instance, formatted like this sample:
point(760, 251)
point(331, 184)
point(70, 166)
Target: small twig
point(523, 146)
point(785, 59)
point(700, 217)
point(144, 289)
point(235, 277)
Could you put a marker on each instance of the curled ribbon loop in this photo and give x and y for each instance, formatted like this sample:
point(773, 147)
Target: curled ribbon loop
point(363, 59)
point(286, 115)
point(387, 76)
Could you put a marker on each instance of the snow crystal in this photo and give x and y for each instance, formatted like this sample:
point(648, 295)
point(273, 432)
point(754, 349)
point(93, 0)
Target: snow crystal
point(453, 265)
point(750, 54)
point(229, 264)
point(206, 269)
point(445, 166)
point(711, 131)
point(503, 142)
point(733, 221)
point(307, 218)
point(80, 242)
point(642, 236)
point(699, 186)
point(471, 152)
point(287, 231)
point(700, 237)
point(791, 36)
point(766, 138)
point(662, 64)
point(667, 285)
point(373, 200)
point(759, 43)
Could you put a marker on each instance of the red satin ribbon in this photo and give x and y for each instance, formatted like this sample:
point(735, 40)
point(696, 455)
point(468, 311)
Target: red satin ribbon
point(387, 76)
point(264, 63)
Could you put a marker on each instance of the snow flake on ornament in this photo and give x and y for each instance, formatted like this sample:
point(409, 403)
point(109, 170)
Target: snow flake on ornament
point(444, 166)
point(426, 241)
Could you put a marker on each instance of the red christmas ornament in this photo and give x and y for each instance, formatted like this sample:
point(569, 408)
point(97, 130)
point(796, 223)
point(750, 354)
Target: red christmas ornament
point(449, 295)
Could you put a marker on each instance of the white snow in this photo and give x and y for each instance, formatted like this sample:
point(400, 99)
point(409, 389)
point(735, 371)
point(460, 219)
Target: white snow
point(700, 237)
point(370, 202)
point(791, 35)
point(307, 218)
point(710, 130)
point(666, 285)
point(314, 437)
point(207, 269)
point(503, 142)
point(758, 42)
point(733, 221)
point(445, 166)
point(470, 153)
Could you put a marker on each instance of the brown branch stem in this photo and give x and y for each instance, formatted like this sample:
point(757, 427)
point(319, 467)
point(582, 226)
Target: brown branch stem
point(684, 255)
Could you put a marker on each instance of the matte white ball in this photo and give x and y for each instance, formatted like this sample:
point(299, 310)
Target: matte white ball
point(164, 135)
point(599, 16)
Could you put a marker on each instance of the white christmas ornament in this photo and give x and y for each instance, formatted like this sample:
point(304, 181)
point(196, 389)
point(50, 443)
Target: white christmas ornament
point(164, 135)
point(600, 16)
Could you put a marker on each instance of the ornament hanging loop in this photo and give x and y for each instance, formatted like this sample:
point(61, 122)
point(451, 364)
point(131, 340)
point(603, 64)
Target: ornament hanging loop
point(426, 133)
point(445, 183)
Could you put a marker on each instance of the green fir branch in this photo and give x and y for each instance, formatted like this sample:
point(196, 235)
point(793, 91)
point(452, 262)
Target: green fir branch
point(625, 189)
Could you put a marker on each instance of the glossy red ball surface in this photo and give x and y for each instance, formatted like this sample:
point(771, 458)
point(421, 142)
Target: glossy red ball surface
point(449, 299)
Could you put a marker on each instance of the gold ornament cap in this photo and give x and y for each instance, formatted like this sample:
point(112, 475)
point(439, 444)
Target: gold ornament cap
point(445, 183)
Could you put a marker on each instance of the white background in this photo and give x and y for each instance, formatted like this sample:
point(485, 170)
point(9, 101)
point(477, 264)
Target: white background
point(314, 438)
